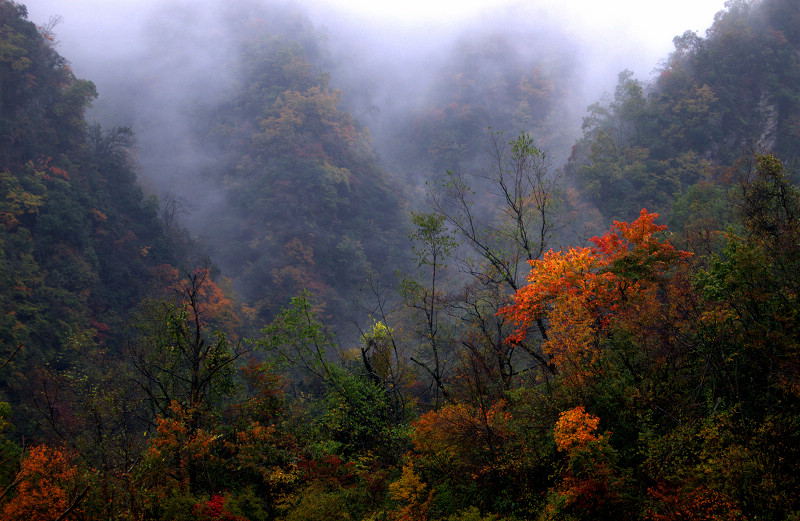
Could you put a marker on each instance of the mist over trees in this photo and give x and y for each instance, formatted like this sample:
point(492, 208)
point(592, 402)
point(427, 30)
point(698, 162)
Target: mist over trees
point(291, 277)
point(293, 157)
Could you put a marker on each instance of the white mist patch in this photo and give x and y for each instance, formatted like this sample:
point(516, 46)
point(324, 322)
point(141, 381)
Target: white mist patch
point(642, 30)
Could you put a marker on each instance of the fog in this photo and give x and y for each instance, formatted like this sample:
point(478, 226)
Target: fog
point(156, 62)
point(151, 60)
point(610, 35)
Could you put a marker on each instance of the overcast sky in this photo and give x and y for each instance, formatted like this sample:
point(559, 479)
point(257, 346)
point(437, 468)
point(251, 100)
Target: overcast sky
point(640, 28)
point(649, 20)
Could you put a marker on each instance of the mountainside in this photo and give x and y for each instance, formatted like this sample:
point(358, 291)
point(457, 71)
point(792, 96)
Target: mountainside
point(78, 240)
point(717, 99)
point(309, 206)
point(486, 80)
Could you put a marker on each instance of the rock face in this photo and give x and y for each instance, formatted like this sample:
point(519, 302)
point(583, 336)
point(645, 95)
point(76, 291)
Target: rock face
point(768, 110)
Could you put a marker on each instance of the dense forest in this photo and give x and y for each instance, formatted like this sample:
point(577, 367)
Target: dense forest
point(474, 315)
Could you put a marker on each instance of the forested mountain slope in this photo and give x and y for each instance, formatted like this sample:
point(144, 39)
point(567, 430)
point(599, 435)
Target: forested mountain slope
point(715, 100)
point(78, 240)
point(241, 132)
point(485, 79)
point(89, 272)
point(308, 206)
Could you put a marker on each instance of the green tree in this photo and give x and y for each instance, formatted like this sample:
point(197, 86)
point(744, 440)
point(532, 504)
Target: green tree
point(432, 244)
point(357, 412)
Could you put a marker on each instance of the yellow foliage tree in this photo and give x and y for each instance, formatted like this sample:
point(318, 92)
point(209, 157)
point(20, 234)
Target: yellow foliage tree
point(409, 493)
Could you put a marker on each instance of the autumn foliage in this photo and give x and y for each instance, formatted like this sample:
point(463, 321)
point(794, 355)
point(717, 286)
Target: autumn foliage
point(178, 448)
point(214, 510)
point(47, 485)
point(412, 496)
point(691, 503)
point(622, 379)
point(575, 429)
point(197, 289)
point(582, 292)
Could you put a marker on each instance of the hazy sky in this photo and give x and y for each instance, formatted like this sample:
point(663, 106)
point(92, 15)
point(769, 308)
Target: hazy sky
point(648, 22)
point(612, 34)
point(642, 30)
point(665, 17)
point(645, 27)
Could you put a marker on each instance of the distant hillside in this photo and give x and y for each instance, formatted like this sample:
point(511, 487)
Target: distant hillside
point(309, 208)
point(486, 79)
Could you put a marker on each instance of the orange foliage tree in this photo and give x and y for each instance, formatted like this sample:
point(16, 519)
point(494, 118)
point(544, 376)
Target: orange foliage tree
point(575, 429)
point(582, 292)
point(177, 451)
point(465, 447)
point(591, 485)
point(457, 433)
point(48, 486)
